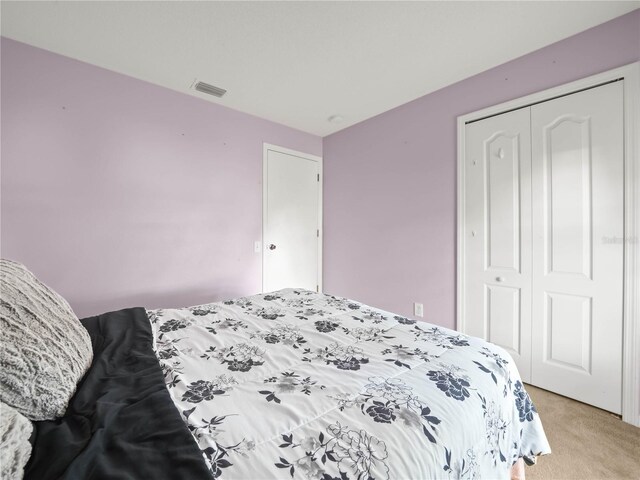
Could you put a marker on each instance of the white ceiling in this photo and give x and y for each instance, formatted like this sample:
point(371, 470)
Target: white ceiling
point(298, 63)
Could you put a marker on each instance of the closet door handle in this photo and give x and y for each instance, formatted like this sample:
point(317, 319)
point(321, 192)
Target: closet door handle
point(500, 279)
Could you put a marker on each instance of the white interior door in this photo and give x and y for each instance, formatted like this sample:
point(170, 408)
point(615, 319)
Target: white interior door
point(577, 188)
point(291, 220)
point(497, 282)
point(543, 236)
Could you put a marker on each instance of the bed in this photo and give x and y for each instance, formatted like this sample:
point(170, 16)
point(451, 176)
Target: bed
point(288, 384)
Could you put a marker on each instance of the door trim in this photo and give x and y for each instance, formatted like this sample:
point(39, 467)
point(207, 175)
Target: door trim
point(631, 301)
point(266, 148)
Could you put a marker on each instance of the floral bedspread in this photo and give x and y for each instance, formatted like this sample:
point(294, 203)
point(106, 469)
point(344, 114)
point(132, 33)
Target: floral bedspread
point(305, 385)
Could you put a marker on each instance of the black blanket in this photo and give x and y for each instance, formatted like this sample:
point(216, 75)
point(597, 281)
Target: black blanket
point(121, 423)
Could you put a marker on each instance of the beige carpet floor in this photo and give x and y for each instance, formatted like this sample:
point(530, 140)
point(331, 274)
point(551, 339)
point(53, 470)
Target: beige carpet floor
point(587, 443)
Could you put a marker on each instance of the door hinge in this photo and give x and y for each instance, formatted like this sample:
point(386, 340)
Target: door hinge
point(318, 177)
point(318, 288)
point(318, 233)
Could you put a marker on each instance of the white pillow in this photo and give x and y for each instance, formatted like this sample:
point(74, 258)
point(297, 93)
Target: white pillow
point(44, 349)
point(15, 448)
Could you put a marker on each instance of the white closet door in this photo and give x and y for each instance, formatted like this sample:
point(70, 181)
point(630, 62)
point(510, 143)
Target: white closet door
point(497, 280)
point(577, 188)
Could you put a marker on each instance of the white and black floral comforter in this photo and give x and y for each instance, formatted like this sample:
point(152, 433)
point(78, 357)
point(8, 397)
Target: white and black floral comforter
point(305, 385)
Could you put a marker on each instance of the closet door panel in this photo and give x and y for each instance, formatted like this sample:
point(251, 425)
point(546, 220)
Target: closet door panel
point(567, 174)
point(498, 233)
point(577, 212)
point(503, 317)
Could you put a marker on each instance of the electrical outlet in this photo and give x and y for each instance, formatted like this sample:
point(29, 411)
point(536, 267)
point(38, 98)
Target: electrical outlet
point(257, 246)
point(418, 309)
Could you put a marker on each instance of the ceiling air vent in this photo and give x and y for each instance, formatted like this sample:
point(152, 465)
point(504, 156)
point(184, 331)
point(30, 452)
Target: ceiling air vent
point(209, 89)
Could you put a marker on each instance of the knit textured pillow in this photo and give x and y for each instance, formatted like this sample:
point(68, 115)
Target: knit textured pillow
point(44, 349)
point(15, 448)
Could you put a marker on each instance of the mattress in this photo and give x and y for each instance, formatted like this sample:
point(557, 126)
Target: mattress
point(298, 384)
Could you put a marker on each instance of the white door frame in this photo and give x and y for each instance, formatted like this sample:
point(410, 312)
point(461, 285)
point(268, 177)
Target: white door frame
point(266, 147)
point(631, 301)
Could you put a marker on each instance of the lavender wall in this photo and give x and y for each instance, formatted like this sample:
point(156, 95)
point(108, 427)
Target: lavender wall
point(117, 192)
point(390, 182)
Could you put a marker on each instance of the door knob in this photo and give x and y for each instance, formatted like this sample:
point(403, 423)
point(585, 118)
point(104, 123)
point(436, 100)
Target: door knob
point(499, 279)
point(272, 246)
